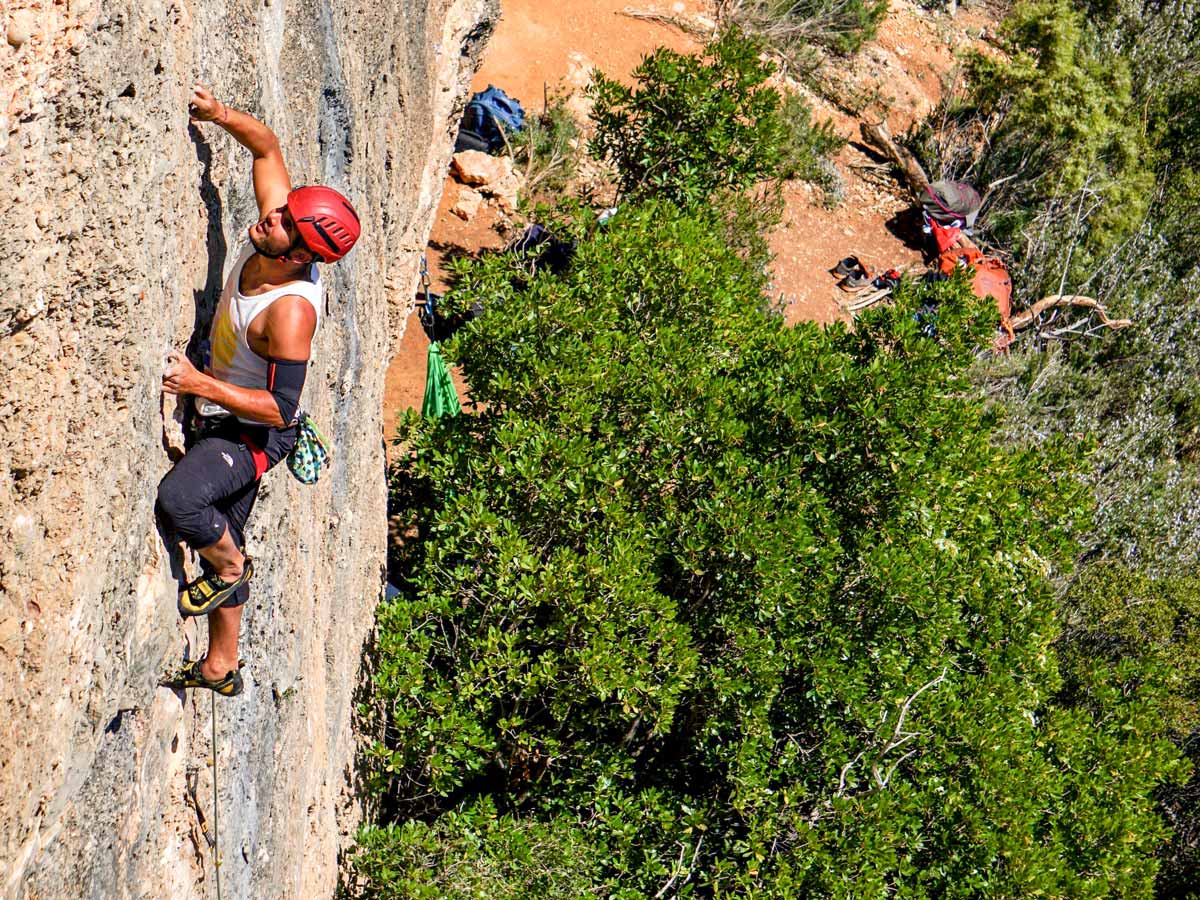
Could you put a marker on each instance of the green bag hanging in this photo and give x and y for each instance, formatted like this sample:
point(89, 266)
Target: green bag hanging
point(441, 399)
point(311, 453)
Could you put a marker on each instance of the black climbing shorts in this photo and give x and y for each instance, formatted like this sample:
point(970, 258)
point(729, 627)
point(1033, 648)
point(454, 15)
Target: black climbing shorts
point(216, 483)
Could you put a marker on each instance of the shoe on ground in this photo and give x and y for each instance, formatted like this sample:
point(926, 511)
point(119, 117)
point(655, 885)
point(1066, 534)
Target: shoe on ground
point(848, 266)
point(856, 281)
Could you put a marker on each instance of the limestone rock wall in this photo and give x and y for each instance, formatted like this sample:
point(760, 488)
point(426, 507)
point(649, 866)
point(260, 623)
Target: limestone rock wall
point(116, 222)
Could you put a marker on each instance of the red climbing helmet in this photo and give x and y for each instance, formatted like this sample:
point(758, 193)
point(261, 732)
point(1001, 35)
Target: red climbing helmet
point(327, 222)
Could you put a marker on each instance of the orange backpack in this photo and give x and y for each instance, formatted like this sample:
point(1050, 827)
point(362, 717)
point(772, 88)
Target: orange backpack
point(990, 279)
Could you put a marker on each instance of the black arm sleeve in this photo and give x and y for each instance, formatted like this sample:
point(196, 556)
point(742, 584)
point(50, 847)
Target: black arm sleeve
point(285, 381)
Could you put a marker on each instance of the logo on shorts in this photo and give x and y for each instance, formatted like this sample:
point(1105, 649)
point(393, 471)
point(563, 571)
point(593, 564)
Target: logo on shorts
point(228, 459)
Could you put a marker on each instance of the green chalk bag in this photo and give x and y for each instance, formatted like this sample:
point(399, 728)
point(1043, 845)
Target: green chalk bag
point(311, 453)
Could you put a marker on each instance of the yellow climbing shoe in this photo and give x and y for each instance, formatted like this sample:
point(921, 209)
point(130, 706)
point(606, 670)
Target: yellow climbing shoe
point(190, 676)
point(208, 592)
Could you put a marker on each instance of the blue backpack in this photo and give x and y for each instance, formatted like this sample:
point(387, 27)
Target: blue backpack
point(487, 113)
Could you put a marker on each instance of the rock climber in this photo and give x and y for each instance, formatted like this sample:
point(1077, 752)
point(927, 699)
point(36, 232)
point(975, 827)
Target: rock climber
point(248, 397)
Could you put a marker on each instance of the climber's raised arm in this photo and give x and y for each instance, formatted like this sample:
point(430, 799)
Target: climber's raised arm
point(271, 181)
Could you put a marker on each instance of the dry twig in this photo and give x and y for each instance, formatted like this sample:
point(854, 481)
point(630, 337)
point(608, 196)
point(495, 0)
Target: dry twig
point(682, 24)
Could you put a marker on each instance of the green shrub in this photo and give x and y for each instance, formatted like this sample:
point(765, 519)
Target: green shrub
point(1134, 395)
point(1134, 603)
point(547, 150)
point(1137, 629)
point(698, 126)
point(792, 26)
point(1063, 147)
point(1086, 132)
point(476, 854)
point(1116, 615)
point(743, 608)
point(806, 155)
point(1176, 134)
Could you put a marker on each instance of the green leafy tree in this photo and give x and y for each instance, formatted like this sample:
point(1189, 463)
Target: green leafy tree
point(698, 126)
point(480, 854)
point(730, 607)
point(699, 604)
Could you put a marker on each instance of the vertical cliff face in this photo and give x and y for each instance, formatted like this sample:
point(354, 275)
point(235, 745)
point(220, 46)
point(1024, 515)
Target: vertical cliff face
point(118, 222)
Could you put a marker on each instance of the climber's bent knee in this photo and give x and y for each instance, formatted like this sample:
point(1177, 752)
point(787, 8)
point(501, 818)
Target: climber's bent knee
point(214, 484)
point(199, 524)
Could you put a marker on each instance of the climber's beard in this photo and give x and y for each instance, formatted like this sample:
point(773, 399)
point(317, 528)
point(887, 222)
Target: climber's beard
point(260, 237)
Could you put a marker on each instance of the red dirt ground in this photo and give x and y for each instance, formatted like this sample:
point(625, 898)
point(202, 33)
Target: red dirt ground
point(538, 46)
point(535, 47)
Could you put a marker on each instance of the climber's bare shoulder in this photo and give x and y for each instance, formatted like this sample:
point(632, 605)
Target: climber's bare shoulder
point(289, 328)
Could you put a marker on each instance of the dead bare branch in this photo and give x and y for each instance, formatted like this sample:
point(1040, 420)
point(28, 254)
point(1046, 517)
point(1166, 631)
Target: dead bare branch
point(682, 24)
point(908, 704)
point(882, 780)
point(841, 791)
point(878, 136)
point(1027, 317)
point(678, 868)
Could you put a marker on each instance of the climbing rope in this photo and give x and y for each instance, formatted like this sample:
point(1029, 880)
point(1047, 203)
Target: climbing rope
point(216, 843)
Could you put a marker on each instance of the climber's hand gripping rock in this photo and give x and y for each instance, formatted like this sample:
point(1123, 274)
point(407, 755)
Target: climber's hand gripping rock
point(180, 376)
point(204, 107)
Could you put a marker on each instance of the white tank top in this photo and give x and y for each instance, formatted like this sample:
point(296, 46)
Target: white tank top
point(233, 361)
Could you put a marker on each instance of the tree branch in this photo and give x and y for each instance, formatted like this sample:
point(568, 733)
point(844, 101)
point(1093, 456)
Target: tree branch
point(878, 136)
point(908, 704)
point(841, 791)
point(679, 867)
point(1026, 318)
